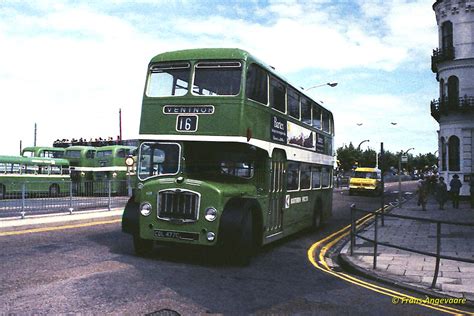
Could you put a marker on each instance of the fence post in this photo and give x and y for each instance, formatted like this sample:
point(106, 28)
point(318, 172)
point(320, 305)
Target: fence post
point(375, 241)
point(352, 229)
point(70, 198)
point(109, 193)
point(23, 193)
point(438, 253)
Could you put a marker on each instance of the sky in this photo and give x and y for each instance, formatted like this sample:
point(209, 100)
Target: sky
point(69, 66)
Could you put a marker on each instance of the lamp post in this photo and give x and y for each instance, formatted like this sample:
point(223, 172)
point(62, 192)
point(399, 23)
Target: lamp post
point(402, 153)
point(358, 146)
point(331, 84)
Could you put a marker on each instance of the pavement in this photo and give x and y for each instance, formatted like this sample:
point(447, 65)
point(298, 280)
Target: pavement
point(415, 271)
point(16, 224)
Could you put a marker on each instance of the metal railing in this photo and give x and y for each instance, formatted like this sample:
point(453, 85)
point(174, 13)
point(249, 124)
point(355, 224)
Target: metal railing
point(354, 233)
point(44, 197)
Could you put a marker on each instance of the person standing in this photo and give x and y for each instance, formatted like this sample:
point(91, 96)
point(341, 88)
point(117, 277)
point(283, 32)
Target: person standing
point(455, 186)
point(422, 194)
point(441, 192)
point(471, 190)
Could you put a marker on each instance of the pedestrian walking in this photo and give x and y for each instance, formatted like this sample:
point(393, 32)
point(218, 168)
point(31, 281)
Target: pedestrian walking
point(441, 193)
point(471, 190)
point(422, 194)
point(454, 188)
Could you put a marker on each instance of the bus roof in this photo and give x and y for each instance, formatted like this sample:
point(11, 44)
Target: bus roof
point(36, 148)
point(33, 160)
point(224, 53)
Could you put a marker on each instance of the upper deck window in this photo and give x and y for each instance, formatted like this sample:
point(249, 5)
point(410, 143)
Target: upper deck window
point(257, 84)
point(326, 122)
point(168, 79)
point(293, 103)
point(217, 78)
point(277, 95)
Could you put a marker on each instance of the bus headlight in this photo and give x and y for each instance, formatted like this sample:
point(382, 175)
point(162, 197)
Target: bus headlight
point(145, 209)
point(210, 214)
point(114, 175)
point(83, 173)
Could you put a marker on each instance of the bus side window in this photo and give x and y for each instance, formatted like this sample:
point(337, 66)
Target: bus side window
point(293, 176)
point(65, 170)
point(121, 153)
point(277, 95)
point(305, 111)
point(316, 177)
point(326, 177)
point(90, 154)
point(257, 84)
point(305, 176)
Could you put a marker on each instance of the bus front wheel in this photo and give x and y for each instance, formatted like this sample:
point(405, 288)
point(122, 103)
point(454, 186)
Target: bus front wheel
point(245, 247)
point(142, 246)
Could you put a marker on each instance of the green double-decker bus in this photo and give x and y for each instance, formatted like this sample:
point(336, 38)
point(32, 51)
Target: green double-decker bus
point(82, 165)
point(231, 155)
point(110, 169)
point(33, 176)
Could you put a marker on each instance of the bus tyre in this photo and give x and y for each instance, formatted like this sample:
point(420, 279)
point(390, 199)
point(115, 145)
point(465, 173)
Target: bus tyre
point(142, 246)
point(54, 190)
point(317, 219)
point(245, 247)
point(2, 191)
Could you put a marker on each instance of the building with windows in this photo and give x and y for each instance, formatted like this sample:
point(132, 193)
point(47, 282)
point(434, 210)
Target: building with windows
point(453, 64)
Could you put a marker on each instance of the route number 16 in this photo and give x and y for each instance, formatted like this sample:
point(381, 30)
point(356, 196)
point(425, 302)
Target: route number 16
point(186, 123)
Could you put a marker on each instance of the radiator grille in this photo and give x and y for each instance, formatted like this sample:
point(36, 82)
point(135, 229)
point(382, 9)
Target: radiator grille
point(178, 205)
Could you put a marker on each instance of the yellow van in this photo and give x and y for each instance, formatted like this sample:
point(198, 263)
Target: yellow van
point(366, 180)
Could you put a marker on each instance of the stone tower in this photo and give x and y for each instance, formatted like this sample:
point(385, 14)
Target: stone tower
point(453, 64)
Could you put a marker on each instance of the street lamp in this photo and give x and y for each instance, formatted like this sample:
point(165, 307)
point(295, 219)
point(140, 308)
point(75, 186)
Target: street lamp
point(358, 146)
point(402, 153)
point(331, 84)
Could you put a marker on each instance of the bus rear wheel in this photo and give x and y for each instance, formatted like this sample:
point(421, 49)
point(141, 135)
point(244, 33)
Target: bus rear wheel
point(142, 246)
point(54, 190)
point(317, 218)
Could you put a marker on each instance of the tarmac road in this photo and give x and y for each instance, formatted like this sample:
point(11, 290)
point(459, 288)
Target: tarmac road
point(93, 270)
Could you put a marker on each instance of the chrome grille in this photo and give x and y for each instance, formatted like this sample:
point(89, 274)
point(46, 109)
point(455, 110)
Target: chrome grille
point(177, 204)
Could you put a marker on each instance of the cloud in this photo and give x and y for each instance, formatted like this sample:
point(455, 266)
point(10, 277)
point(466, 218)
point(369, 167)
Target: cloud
point(69, 66)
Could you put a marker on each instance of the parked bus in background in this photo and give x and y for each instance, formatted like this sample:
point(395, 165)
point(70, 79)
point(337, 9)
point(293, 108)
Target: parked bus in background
point(82, 165)
point(35, 176)
point(40, 151)
point(231, 155)
point(110, 166)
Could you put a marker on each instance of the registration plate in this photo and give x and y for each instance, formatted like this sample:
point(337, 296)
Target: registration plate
point(176, 235)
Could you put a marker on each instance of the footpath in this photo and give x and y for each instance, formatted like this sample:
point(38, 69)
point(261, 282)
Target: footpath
point(416, 271)
point(9, 226)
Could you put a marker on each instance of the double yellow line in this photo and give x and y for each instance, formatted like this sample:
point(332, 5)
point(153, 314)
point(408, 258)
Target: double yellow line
point(325, 244)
